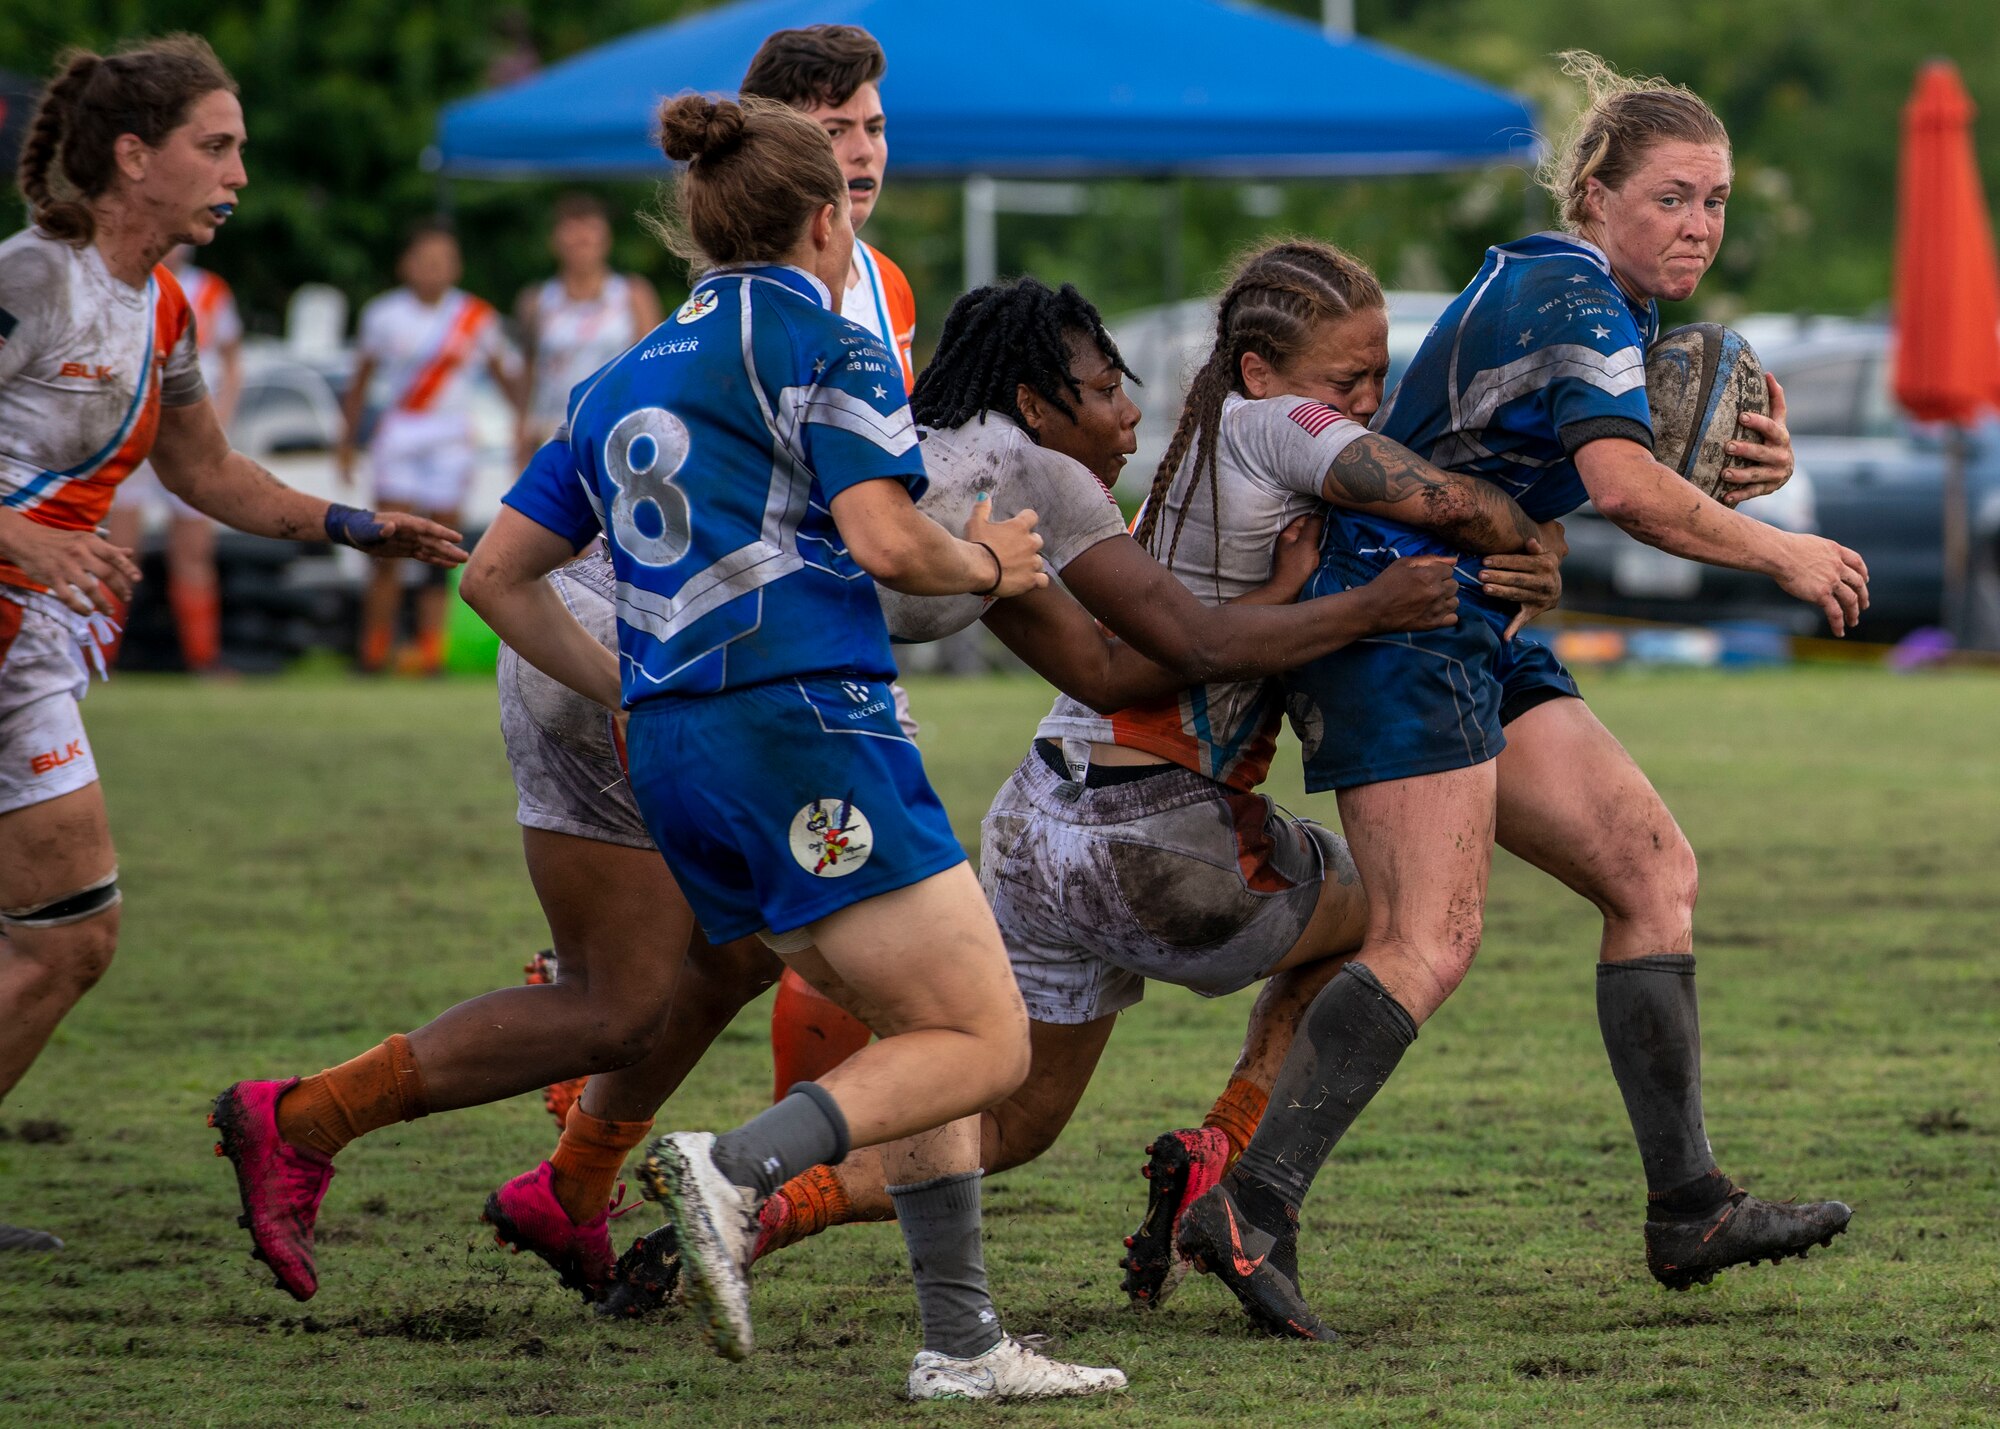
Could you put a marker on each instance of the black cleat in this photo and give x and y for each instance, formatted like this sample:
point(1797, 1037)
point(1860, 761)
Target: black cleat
point(1181, 1166)
point(1220, 1241)
point(1741, 1231)
point(646, 1276)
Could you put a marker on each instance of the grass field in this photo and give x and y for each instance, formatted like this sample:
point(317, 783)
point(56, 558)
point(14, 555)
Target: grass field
point(311, 865)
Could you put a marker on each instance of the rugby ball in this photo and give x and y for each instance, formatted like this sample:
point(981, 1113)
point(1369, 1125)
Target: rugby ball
point(1699, 380)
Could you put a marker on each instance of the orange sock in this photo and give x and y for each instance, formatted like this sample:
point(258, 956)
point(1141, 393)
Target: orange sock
point(430, 652)
point(588, 1159)
point(810, 1034)
point(375, 643)
point(1236, 1114)
point(818, 1200)
point(198, 619)
point(379, 1088)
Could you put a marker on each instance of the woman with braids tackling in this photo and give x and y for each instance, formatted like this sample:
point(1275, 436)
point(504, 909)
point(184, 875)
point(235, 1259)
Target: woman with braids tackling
point(127, 156)
point(1532, 382)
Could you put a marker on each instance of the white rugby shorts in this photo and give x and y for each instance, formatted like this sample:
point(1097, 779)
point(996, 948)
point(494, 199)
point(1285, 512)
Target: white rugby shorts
point(44, 752)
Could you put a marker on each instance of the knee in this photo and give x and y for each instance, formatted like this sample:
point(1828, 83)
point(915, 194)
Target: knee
point(1012, 1134)
point(1004, 1053)
point(1660, 884)
point(68, 960)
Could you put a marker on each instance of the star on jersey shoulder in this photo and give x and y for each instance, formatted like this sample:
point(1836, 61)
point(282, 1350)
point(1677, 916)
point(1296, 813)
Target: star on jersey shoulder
point(819, 367)
point(1600, 332)
point(880, 392)
point(1525, 340)
point(1578, 278)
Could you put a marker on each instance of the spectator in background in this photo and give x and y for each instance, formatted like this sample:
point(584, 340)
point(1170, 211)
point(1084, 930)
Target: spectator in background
point(194, 589)
point(583, 317)
point(426, 338)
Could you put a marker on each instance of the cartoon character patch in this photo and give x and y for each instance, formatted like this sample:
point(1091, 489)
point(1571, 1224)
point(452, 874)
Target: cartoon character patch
point(831, 838)
point(697, 307)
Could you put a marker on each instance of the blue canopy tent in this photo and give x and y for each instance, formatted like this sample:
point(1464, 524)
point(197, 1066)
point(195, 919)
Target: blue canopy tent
point(1027, 89)
point(1031, 89)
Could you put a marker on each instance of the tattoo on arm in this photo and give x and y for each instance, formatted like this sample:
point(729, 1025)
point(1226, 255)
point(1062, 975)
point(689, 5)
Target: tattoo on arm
point(1374, 471)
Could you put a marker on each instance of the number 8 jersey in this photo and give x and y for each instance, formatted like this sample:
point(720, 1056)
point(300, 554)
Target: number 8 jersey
point(709, 454)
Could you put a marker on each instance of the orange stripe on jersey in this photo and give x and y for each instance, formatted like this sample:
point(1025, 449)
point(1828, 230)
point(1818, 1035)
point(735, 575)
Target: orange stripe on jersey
point(902, 305)
point(209, 296)
point(473, 314)
point(81, 504)
point(1162, 727)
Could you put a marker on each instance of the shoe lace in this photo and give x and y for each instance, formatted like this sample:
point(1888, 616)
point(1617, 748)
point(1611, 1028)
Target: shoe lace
point(618, 1207)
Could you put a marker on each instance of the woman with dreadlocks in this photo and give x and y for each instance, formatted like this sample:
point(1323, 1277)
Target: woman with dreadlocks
point(1132, 845)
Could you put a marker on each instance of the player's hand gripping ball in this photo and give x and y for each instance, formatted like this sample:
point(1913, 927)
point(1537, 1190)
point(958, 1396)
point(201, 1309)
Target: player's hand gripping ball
point(1700, 379)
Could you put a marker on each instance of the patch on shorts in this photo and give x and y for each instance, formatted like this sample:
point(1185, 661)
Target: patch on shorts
point(831, 838)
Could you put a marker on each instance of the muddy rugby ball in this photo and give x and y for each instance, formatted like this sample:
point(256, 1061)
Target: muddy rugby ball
point(1699, 380)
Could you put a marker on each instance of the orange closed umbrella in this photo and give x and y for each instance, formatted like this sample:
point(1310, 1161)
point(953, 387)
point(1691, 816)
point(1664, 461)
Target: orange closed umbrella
point(1947, 294)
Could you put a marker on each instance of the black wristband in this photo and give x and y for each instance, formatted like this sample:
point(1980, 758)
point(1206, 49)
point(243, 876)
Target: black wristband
point(999, 571)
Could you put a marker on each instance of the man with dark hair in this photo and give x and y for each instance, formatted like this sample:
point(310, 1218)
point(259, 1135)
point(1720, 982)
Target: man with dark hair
point(831, 74)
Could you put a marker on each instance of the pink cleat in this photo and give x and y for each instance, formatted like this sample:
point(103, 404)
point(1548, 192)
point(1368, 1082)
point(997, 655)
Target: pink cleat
point(1181, 1168)
point(525, 1215)
point(281, 1185)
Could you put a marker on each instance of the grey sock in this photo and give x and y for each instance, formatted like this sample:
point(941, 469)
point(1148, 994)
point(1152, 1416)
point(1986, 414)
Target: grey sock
point(804, 1130)
point(1349, 1042)
point(1646, 1011)
point(940, 1221)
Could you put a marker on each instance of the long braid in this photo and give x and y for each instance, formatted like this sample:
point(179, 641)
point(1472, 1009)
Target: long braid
point(1272, 307)
point(38, 174)
point(1003, 336)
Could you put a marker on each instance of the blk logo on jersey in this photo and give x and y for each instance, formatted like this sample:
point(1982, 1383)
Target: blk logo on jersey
point(831, 838)
point(697, 307)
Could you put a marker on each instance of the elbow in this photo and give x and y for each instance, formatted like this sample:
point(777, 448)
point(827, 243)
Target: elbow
point(478, 586)
point(891, 562)
point(1616, 506)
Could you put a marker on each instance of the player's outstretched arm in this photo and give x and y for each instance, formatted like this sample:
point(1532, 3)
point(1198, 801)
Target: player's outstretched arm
point(1384, 478)
point(1164, 625)
point(907, 551)
point(195, 462)
point(504, 584)
point(1655, 505)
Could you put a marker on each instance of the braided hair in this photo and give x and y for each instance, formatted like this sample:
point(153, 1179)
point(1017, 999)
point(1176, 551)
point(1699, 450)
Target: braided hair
point(70, 154)
point(1272, 307)
point(1002, 336)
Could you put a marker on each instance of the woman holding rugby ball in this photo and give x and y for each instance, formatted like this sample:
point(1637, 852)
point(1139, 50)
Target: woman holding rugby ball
point(1533, 379)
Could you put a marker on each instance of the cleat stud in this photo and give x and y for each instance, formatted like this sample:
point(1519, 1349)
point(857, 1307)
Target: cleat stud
point(243, 1221)
point(219, 1151)
point(211, 1118)
point(1147, 1171)
point(1128, 1242)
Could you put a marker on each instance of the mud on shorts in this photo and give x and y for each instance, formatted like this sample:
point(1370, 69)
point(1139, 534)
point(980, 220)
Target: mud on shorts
point(1170, 876)
point(43, 749)
point(559, 744)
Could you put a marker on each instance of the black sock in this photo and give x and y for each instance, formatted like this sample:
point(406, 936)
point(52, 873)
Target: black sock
point(1347, 1045)
point(1646, 1010)
point(940, 1224)
point(804, 1130)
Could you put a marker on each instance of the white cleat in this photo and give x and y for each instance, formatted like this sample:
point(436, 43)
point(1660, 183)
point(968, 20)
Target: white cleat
point(715, 1221)
point(1010, 1370)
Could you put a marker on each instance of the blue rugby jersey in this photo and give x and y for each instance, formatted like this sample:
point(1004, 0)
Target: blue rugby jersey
point(1540, 354)
point(708, 454)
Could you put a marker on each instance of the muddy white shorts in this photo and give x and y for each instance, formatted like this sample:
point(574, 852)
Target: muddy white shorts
point(559, 744)
point(422, 460)
point(1167, 875)
point(43, 749)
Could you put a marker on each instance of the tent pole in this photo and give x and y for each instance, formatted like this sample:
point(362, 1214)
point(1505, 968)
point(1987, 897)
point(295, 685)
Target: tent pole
point(982, 236)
